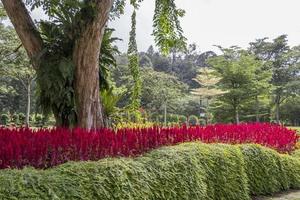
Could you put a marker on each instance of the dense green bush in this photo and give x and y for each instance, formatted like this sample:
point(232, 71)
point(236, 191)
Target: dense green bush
point(263, 169)
point(291, 171)
point(22, 118)
point(15, 119)
point(297, 153)
point(193, 120)
point(38, 120)
point(4, 119)
point(172, 118)
point(191, 171)
point(182, 119)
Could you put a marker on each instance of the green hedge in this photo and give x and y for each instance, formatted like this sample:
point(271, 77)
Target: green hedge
point(296, 154)
point(191, 171)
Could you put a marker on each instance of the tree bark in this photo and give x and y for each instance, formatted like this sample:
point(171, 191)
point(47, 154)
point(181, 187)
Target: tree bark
point(86, 59)
point(28, 104)
point(237, 116)
point(25, 28)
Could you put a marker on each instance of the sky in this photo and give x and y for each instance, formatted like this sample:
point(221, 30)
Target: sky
point(219, 22)
point(216, 22)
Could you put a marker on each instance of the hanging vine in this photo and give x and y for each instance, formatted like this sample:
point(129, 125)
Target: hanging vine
point(133, 59)
point(167, 30)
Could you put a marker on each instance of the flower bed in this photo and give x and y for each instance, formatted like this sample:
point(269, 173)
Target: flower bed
point(45, 148)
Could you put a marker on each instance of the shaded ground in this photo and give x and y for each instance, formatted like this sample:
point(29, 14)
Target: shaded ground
point(292, 195)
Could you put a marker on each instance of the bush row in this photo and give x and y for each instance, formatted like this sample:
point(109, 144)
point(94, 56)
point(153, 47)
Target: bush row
point(19, 119)
point(44, 148)
point(173, 119)
point(191, 171)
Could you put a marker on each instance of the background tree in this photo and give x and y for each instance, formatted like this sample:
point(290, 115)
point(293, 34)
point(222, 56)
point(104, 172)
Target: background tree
point(133, 58)
point(284, 65)
point(21, 71)
point(161, 92)
point(14, 65)
point(237, 71)
point(208, 81)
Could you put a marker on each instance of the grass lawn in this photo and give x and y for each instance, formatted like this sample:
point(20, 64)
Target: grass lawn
point(295, 128)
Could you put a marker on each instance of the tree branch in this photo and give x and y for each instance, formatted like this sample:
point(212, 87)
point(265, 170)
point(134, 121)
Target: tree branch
point(25, 28)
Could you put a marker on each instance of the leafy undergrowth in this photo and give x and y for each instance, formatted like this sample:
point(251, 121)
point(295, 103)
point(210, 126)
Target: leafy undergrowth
point(190, 171)
point(46, 148)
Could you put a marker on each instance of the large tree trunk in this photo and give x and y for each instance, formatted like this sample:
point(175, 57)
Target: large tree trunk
point(237, 115)
point(25, 29)
point(86, 59)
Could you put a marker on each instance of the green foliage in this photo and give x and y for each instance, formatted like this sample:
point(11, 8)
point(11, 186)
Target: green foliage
point(22, 118)
point(239, 81)
point(291, 171)
point(182, 119)
point(159, 89)
point(283, 61)
point(107, 58)
point(4, 119)
point(109, 102)
point(296, 153)
point(172, 118)
point(167, 29)
point(193, 120)
point(290, 110)
point(16, 73)
point(134, 65)
point(15, 119)
point(266, 170)
point(2, 12)
point(38, 120)
point(56, 73)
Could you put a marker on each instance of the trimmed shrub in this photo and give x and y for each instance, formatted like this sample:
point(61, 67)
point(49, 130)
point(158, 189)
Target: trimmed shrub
point(22, 118)
point(193, 120)
point(172, 118)
point(202, 121)
point(291, 171)
point(182, 119)
point(4, 119)
point(224, 167)
point(296, 154)
point(15, 119)
point(188, 171)
point(183, 172)
point(264, 170)
point(38, 120)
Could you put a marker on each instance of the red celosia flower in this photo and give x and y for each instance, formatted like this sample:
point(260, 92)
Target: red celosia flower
point(50, 147)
